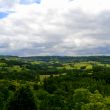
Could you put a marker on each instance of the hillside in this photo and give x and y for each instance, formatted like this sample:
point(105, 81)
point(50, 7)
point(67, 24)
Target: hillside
point(54, 83)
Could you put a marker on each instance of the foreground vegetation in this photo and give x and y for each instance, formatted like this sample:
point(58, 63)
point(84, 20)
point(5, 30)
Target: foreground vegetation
point(54, 83)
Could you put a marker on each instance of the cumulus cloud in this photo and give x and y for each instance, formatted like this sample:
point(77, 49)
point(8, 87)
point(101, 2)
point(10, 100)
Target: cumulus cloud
point(56, 28)
point(29, 1)
point(10, 5)
point(7, 5)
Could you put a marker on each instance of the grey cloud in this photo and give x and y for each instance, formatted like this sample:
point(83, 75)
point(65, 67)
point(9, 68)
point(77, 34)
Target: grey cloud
point(54, 33)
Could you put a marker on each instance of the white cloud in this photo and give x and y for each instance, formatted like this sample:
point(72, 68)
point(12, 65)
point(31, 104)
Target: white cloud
point(93, 6)
point(56, 28)
point(7, 5)
point(10, 5)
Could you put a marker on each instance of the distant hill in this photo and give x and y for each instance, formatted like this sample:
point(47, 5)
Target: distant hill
point(8, 56)
point(103, 59)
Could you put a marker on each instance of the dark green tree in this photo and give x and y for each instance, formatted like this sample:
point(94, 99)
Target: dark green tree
point(22, 100)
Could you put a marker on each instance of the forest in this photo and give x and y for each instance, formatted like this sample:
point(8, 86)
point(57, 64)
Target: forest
point(55, 83)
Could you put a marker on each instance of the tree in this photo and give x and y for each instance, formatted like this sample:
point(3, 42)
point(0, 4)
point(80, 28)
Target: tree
point(94, 106)
point(22, 100)
point(80, 97)
point(96, 102)
point(107, 102)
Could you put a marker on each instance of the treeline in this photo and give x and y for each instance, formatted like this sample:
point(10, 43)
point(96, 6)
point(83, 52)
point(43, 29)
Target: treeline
point(102, 59)
point(63, 59)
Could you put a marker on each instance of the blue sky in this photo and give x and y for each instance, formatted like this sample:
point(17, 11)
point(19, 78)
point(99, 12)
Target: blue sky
point(8, 6)
point(54, 27)
point(29, 1)
point(3, 15)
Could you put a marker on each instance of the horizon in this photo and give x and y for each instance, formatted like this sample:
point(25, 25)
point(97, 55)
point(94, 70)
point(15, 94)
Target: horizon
point(56, 56)
point(55, 27)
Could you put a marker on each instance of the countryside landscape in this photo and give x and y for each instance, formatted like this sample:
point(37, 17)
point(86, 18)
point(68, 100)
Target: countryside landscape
point(54, 54)
point(55, 83)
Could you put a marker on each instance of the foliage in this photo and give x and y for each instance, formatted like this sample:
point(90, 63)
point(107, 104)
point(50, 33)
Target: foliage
point(22, 100)
point(55, 83)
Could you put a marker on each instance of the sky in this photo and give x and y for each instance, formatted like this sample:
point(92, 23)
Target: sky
point(54, 27)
